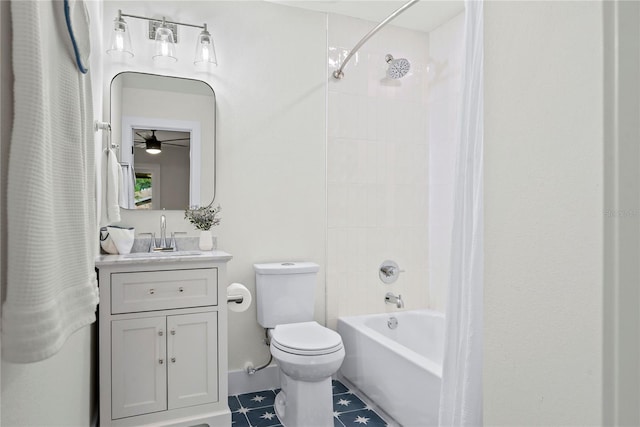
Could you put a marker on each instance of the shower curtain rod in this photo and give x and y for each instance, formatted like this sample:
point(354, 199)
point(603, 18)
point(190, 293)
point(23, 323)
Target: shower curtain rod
point(338, 74)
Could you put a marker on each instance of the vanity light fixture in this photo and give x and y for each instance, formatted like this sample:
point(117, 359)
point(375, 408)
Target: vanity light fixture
point(165, 50)
point(120, 38)
point(205, 51)
point(165, 34)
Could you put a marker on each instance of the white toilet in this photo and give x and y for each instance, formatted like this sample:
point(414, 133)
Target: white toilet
point(307, 353)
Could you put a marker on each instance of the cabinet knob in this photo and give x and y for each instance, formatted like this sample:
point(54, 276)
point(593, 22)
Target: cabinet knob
point(180, 289)
point(173, 332)
point(161, 333)
point(152, 291)
point(161, 361)
point(173, 360)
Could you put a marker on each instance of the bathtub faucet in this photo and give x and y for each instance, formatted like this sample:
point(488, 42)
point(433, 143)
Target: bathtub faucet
point(390, 298)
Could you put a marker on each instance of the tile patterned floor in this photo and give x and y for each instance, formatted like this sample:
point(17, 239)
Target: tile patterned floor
point(256, 409)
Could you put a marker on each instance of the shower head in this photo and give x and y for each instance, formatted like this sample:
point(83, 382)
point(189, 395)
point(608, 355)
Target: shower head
point(398, 68)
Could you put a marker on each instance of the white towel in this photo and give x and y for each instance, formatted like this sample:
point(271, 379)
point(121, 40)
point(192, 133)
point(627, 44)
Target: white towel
point(52, 234)
point(127, 187)
point(111, 173)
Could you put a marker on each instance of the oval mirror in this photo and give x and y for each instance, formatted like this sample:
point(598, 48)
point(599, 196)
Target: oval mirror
point(165, 127)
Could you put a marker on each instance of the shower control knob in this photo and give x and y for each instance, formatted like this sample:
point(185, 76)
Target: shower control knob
point(389, 271)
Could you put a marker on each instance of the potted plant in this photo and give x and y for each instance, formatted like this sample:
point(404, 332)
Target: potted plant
point(203, 218)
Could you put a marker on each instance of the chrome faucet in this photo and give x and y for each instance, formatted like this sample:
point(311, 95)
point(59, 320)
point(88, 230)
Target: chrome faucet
point(390, 298)
point(163, 246)
point(163, 232)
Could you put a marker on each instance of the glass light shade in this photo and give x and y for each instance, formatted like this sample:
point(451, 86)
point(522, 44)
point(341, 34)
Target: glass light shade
point(120, 39)
point(165, 51)
point(205, 51)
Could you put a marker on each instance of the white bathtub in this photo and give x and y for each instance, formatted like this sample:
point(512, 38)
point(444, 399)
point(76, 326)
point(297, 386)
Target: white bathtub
point(399, 369)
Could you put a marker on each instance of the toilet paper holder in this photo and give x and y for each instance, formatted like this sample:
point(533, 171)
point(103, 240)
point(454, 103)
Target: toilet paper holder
point(238, 299)
point(239, 294)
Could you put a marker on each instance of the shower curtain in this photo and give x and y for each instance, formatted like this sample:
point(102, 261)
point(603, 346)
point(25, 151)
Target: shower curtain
point(461, 394)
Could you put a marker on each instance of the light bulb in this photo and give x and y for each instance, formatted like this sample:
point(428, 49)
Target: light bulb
point(119, 41)
point(205, 53)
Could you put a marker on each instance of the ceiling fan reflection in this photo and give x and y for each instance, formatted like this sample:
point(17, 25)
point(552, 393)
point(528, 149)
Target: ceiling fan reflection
point(153, 145)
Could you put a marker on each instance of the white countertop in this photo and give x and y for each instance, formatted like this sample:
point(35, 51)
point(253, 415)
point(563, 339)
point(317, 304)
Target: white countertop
point(158, 257)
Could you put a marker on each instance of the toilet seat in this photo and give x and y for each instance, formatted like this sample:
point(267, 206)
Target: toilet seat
point(306, 339)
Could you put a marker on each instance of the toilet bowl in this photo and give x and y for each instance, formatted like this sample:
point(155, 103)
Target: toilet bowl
point(307, 351)
point(307, 354)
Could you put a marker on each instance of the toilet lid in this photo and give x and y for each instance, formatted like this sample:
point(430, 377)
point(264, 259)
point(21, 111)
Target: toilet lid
point(307, 338)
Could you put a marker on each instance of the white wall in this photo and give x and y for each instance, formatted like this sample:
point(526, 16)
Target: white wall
point(270, 90)
point(377, 166)
point(444, 75)
point(58, 391)
point(543, 213)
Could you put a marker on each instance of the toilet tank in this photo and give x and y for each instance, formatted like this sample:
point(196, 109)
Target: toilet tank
point(285, 292)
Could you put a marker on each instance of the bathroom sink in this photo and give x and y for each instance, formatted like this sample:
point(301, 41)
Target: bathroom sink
point(161, 254)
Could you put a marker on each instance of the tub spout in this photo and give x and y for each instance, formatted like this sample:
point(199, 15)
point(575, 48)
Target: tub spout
point(390, 298)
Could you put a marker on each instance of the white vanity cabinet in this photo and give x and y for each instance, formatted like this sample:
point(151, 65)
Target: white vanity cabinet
point(162, 340)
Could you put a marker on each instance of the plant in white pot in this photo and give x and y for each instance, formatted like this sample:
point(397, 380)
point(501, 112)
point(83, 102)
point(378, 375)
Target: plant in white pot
point(203, 218)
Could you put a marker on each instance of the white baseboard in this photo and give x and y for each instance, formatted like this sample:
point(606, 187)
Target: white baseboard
point(241, 382)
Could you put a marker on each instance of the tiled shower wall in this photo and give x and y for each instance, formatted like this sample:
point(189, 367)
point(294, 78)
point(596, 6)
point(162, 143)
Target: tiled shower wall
point(377, 170)
point(391, 165)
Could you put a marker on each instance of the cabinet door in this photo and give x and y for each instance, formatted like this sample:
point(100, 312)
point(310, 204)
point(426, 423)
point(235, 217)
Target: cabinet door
point(192, 350)
point(138, 366)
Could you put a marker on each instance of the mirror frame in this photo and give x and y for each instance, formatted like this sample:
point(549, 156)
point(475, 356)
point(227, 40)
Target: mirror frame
point(182, 124)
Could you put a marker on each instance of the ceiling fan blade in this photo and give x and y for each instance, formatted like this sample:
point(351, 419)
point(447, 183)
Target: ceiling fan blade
point(175, 145)
point(176, 139)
